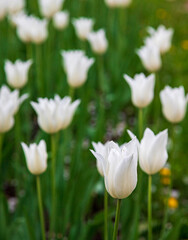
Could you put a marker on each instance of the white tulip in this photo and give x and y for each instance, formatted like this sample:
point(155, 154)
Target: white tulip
point(15, 6)
point(98, 41)
point(3, 8)
point(36, 157)
point(17, 17)
point(61, 20)
point(153, 151)
point(174, 103)
point(55, 114)
point(76, 66)
point(150, 57)
point(118, 3)
point(83, 26)
point(9, 105)
point(142, 89)
point(49, 7)
point(119, 168)
point(162, 37)
point(32, 29)
point(17, 73)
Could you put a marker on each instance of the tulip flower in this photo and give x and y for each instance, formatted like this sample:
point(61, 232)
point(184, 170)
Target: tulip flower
point(9, 105)
point(142, 88)
point(150, 57)
point(17, 17)
point(76, 66)
point(32, 29)
point(15, 6)
point(162, 38)
point(83, 26)
point(49, 7)
point(98, 41)
point(17, 73)
point(55, 114)
point(61, 20)
point(174, 103)
point(3, 9)
point(36, 159)
point(118, 3)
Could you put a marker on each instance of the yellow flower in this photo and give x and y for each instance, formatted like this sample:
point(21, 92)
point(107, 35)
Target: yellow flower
point(165, 172)
point(165, 180)
point(173, 203)
point(184, 44)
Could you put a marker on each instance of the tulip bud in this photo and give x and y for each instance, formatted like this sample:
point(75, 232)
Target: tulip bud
point(83, 26)
point(119, 168)
point(98, 41)
point(162, 38)
point(9, 105)
point(150, 57)
point(76, 66)
point(49, 7)
point(32, 29)
point(17, 74)
point(142, 88)
point(152, 151)
point(61, 20)
point(15, 6)
point(55, 114)
point(174, 103)
point(36, 157)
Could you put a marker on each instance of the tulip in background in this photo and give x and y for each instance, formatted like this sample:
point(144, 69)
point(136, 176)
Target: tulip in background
point(16, 18)
point(150, 57)
point(49, 7)
point(174, 103)
point(118, 3)
point(15, 6)
point(161, 37)
point(36, 159)
point(3, 9)
point(61, 20)
point(55, 114)
point(17, 73)
point(98, 41)
point(142, 89)
point(83, 26)
point(76, 66)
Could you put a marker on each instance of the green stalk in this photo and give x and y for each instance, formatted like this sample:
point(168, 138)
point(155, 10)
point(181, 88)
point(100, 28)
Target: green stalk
point(1, 145)
point(105, 215)
point(140, 120)
point(53, 176)
point(40, 207)
point(149, 208)
point(39, 70)
point(100, 69)
point(115, 234)
point(71, 92)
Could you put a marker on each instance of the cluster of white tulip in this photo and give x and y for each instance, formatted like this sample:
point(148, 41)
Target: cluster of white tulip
point(118, 3)
point(158, 43)
point(50, 7)
point(9, 7)
point(9, 105)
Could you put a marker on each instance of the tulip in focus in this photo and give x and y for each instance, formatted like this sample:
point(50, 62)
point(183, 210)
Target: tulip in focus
point(142, 89)
point(174, 103)
point(55, 114)
point(17, 73)
point(49, 7)
point(9, 105)
point(153, 151)
point(76, 66)
point(98, 41)
point(150, 57)
point(15, 6)
point(32, 29)
point(162, 38)
point(36, 157)
point(61, 20)
point(119, 168)
point(83, 26)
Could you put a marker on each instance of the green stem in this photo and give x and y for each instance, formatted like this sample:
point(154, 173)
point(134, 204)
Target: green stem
point(117, 219)
point(100, 69)
point(140, 119)
point(71, 92)
point(40, 207)
point(1, 145)
point(39, 70)
point(53, 177)
point(105, 215)
point(149, 208)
